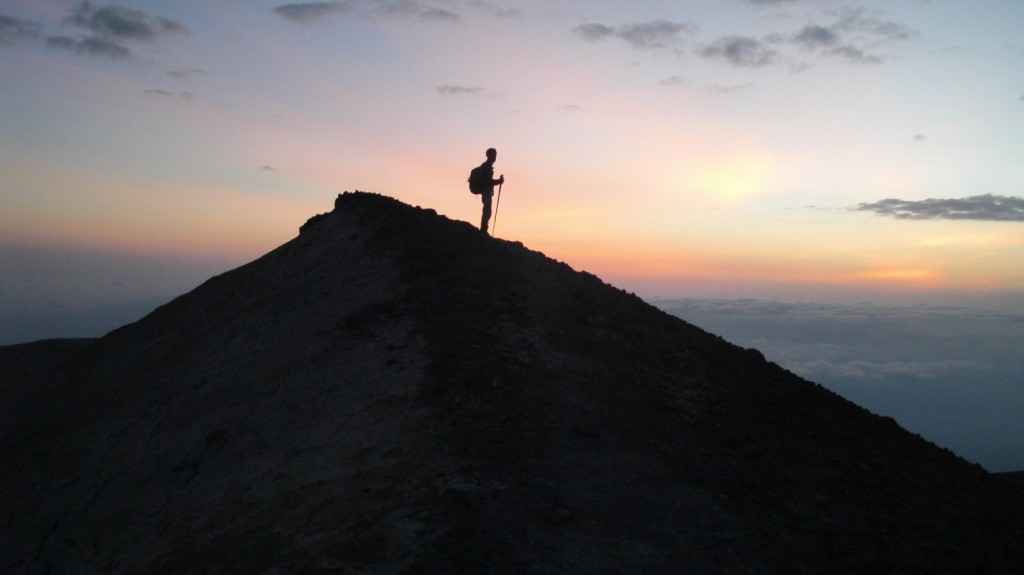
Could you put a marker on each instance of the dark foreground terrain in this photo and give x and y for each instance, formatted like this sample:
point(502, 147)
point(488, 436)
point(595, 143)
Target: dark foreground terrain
point(392, 392)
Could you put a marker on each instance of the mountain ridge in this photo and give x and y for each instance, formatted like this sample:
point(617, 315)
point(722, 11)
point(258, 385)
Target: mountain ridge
point(393, 392)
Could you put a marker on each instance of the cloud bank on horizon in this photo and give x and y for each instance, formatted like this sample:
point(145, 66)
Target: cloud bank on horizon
point(952, 374)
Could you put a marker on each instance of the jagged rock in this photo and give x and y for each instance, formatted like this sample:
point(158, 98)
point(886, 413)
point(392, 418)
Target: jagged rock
point(392, 392)
point(311, 222)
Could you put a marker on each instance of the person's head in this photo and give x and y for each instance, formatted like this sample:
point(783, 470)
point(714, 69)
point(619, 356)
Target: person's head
point(492, 155)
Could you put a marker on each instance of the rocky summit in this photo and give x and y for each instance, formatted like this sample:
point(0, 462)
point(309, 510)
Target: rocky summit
point(393, 392)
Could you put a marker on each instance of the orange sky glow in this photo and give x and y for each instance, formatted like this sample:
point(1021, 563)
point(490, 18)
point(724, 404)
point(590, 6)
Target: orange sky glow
point(632, 146)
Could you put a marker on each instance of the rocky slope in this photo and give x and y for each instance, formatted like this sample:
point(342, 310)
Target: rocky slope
point(391, 392)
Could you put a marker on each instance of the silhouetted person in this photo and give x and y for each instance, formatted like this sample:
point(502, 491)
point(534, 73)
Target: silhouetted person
point(488, 191)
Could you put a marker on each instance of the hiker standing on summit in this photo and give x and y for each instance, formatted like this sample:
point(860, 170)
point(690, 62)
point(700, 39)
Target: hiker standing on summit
point(482, 182)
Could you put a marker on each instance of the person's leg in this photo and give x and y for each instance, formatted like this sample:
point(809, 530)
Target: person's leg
point(485, 218)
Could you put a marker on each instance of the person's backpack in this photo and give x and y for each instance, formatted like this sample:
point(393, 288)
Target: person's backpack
point(479, 179)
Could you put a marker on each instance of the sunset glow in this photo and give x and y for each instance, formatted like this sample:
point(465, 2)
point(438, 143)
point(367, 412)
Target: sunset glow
point(731, 144)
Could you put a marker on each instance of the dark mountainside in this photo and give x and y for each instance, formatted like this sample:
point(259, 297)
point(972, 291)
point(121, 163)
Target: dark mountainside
point(391, 392)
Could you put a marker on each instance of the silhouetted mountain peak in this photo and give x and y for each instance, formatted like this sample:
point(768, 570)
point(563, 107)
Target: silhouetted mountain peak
point(393, 392)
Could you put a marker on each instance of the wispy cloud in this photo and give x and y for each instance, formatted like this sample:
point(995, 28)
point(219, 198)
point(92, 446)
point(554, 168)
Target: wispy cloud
point(646, 35)
point(828, 41)
point(110, 28)
point(851, 35)
point(741, 51)
point(14, 29)
point(855, 54)
point(987, 207)
point(309, 12)
point(455, 90)
point(675, 81)
point(816, 37)
point(438, 15)
point(186, 72)
point(854, 20)
point(728, 88)
point(187, 96)
point(495, 10)
point(593, 32)
point(124, 23)
point(393, 8)
point(89, 46)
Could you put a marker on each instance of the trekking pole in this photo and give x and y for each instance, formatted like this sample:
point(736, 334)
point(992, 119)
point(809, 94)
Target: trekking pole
point(494, 228)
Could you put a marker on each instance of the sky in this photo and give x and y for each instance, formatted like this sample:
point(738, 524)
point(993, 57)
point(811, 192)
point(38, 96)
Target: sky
point(794, 149)
point(812, 152)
